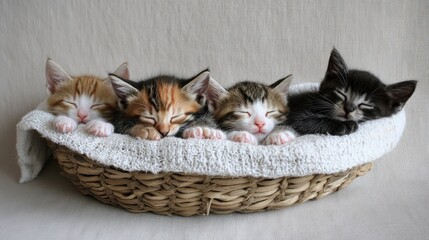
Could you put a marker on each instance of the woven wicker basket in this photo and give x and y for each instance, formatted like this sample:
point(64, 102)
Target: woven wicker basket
point(188, 194)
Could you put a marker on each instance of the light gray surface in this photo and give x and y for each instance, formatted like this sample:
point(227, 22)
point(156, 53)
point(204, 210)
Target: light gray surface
point(257, 40)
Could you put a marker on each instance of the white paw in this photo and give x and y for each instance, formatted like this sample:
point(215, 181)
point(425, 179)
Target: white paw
point(204, 133)
point(279, 138)
point(243, 137)
point(64, 124)
point(99, 128)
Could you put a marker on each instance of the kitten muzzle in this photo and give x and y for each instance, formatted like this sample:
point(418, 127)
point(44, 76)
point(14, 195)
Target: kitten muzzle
point(349, 107)
point(164, 133)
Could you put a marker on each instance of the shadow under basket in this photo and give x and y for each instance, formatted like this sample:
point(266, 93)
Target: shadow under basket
point(190, 194)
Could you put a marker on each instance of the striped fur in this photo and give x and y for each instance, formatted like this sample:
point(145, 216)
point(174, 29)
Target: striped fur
point(162, 106)
point(87, 93)
point(82, 99)
point(252, 109)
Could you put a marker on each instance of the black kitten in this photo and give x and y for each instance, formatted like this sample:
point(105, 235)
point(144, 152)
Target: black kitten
point(345, 98)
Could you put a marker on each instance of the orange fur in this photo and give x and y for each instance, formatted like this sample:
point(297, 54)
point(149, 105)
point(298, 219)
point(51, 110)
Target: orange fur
point(90, 86)
point(172, 102)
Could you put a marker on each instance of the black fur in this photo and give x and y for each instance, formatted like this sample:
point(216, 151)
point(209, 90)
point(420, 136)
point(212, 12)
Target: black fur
point(314, 112)
point(123, 123)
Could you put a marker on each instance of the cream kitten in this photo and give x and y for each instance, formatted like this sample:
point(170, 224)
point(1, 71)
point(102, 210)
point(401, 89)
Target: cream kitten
point(82, 99)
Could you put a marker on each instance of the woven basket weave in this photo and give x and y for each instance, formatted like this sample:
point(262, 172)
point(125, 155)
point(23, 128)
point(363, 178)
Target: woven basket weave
point(188, 194)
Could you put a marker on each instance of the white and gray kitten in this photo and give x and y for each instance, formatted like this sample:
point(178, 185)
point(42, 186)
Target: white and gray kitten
point(254, 113)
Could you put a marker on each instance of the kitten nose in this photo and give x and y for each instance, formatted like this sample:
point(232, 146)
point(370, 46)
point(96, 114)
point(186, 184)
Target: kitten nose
point(349, 107)
point(82, 115)
point(259, 123)
point(164, 130)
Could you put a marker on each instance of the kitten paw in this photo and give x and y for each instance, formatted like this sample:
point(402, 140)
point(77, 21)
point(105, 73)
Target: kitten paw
point(279, 137)
point(345, 128)
point(64, 124)
point(243, 137)
point(204, 133)
point(147, 133)
point(99, 128)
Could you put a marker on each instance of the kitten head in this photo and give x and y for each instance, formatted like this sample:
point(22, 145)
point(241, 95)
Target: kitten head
point(359, 95)
point(82, 98)
point(167, 103)
point(253, 107)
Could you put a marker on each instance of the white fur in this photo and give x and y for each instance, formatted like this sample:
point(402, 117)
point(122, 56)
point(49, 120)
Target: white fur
point(83, 105)
point(242, 137)
point(204, 133)
point(100, 128)
point(279, 137)
point(64, 124)
point(258, 111)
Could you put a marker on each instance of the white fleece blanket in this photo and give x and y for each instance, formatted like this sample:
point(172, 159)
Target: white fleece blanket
point(308, 154)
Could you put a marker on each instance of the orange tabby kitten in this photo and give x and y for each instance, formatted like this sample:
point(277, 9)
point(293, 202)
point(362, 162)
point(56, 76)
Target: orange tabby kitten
point(82, 99)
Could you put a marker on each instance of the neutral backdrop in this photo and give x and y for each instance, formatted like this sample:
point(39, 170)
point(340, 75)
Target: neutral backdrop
point(238, 40)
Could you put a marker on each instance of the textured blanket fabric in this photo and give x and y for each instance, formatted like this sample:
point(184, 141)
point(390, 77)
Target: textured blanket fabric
point(308, 154)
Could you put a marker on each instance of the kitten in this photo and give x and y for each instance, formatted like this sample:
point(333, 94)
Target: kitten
point(81, 99)
point(253, 112)
point(167, 106)
point(345, 98)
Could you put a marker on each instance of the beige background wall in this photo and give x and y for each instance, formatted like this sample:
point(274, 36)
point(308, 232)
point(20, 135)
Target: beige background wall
point(238, 40)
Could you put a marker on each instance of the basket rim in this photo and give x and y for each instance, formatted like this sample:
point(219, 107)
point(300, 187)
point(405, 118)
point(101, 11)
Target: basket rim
point(168, 155)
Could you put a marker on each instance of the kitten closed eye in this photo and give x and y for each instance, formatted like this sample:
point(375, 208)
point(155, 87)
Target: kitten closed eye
point(243, 113)
point(364, 106)
point(164, 106)
point(272, 113)
point(178, 118)
point(362, 97)
point(147, 119)
point(253, 108)
point(341, 95)
point(70, 103)
point(80, 99)
point(97, 106)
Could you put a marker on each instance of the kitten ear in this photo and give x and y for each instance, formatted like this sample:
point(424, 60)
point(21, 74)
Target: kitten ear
point(282, 85)
point(198, 84)
point(122, 89)
point(55, 75)
point(214, 93)
point(122, 71)
point(337, 67)
point(400, 92)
